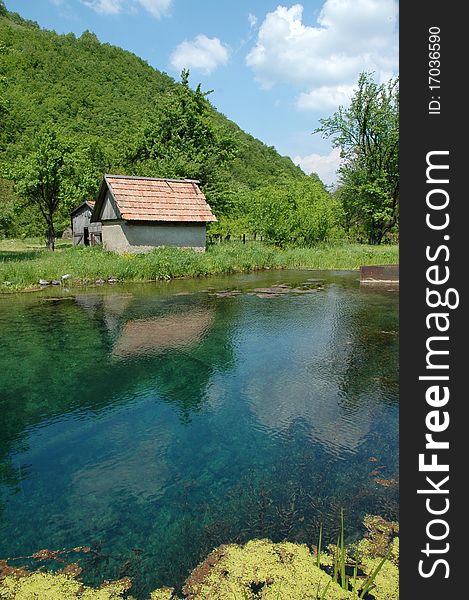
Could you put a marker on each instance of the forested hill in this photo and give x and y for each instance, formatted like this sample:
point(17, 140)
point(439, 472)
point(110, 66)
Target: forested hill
point(94, 91)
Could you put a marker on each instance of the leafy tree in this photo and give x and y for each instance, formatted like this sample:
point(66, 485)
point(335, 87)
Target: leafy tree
point(272, 213)
point(367, 133)
point(3, 103)
point(181, 141)
point(54, 174)
point(295, 212)
point(318, 214)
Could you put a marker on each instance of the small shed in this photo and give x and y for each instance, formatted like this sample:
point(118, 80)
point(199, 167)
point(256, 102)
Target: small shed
point(141, 213)
point(85, 233)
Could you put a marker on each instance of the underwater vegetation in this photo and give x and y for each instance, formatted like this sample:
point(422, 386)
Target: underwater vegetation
point(260, 569)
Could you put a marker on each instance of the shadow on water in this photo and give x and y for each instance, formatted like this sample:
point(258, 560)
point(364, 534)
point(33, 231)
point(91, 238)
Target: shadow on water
point(155, 422)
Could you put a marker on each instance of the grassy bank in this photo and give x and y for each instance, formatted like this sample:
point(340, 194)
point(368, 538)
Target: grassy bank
point(23, 264)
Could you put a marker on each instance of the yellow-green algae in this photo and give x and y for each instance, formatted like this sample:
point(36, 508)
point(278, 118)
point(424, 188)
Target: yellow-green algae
point(386, 582)
point(262, 569)
point(259, 570)
point(163, 594)
point(380, 536)
point(58, 586)
point(369, 552)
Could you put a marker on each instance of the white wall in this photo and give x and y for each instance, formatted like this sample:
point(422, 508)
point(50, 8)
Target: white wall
point(122, 236)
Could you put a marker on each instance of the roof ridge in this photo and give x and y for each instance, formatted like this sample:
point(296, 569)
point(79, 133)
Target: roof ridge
point(138, 177)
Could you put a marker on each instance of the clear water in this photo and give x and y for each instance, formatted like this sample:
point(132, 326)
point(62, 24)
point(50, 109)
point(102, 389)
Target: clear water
point(155, 422)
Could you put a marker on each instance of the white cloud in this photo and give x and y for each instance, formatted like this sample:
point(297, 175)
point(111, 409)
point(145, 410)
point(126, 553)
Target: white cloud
point(252, 20)
point(157, 8)
point(202, 53)
point(350, 36)
point(324, 165)
point(105, 7)
point(325, 97)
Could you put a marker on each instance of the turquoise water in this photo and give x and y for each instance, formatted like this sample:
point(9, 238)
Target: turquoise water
point(155, 422)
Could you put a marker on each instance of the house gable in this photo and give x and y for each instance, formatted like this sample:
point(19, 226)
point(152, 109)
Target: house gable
point(109, 211)
point(152, 200)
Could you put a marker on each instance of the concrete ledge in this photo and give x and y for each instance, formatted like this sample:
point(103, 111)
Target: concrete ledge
point(379, 274)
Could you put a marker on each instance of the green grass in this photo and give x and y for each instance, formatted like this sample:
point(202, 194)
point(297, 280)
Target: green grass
point(23, 263)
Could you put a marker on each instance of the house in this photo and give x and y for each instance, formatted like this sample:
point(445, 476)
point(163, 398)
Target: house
point(141, 213)
point(85, 233)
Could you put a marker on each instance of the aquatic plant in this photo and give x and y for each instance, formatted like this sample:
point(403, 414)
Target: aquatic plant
point(318, 561)
point(259, 569)
point(262, 569)
point(58, 586)
point(163, 594)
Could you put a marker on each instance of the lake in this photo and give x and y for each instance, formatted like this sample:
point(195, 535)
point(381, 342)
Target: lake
point(154, 422)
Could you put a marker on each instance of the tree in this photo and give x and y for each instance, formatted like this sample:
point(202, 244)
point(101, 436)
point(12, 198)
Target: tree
point(181, 140)
point(300, 212)
point(54, 174)
point(3, 103)
point(367, 133)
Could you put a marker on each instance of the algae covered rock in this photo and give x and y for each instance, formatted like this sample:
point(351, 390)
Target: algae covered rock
point(58, 586)
point(163, 594)
point(378, 543)
point(386, 582)
point(261, 570)
point(379, 537)
point(257, 570)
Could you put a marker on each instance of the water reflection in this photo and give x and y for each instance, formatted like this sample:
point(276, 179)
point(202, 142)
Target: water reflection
point(151, 336)
point(330, 372)
point(173, 419)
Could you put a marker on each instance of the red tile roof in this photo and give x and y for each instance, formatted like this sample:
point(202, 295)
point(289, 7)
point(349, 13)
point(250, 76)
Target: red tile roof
point(146, 199)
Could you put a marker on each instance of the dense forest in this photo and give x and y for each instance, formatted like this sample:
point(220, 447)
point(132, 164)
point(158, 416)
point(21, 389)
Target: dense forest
point(73, 108)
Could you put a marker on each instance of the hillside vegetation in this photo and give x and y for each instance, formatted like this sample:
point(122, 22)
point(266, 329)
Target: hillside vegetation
point(104, 101)
point(72, 109)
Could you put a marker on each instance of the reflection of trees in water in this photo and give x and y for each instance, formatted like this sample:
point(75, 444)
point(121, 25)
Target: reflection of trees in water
point(57, 357)
point(98, 350)
point(373, 361)
point(41, 363)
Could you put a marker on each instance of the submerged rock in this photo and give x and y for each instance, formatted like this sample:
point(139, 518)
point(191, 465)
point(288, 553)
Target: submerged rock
point(226, 293)
point(283, 289)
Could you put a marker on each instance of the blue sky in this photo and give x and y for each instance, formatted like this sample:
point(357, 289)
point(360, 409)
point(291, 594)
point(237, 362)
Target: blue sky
point(275, 68)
